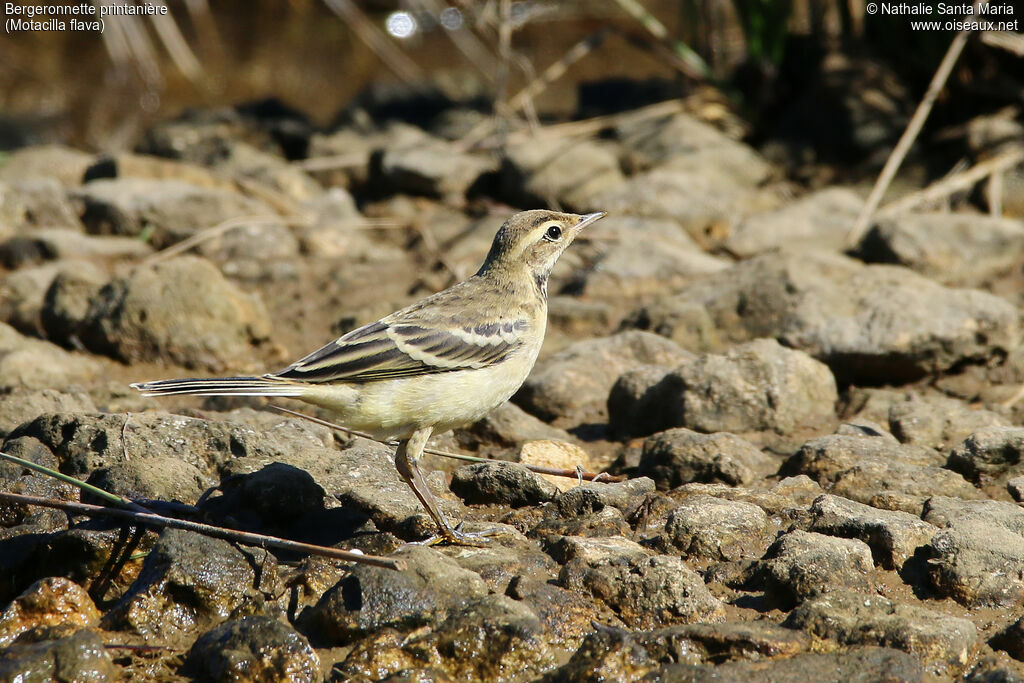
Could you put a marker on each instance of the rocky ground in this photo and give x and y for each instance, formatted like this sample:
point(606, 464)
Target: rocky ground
point(821, 445)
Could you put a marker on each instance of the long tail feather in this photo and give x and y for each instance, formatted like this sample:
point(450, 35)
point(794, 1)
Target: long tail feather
point(220, 386)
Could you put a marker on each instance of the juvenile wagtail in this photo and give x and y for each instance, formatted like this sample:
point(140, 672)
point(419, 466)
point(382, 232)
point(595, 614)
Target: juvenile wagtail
point(442, 362)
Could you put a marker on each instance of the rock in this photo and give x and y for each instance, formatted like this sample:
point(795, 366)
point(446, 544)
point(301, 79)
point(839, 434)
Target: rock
point(855, 619)
point(574, 383)
point(499, 565)
point(558, 455)
point(680, 456)
point(822, 219)
point(152, 478)
point(21, 405)
point(245, 162)
point(33, 364)
point(893, 536)
point(947, 512)
point(53, 601)
point(493, 638)
point(801, 564)
point(168, 211)
point(684, 322)
point(65, 304)
point(337, 231)
point(191, 582)
point(23, 292)
point(595, 496)
point(938, 421)
point(951, 248)
point(855, 665)
point(147, 167)
point(682, 141)
point(62, 163)
point(752, 387)
point(418, 163)
point(1015, 487)
point(645, 591)
point(566, 617)
point(988, 454)
point(867, 469)
point(260, 250)
point(253, 649)
point(507, 426)
point(592, 551)
point(28, 204)
point(81, 656)
point(149, 315)
point(637, 402)
point(1010, 639)
point(64, 243)
point(608, 521)
point(501, 483)
point(715, 529)
point(565, 172)
point(578, 318)
point(870, 324)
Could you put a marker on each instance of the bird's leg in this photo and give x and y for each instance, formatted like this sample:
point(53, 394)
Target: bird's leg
point(407, 457)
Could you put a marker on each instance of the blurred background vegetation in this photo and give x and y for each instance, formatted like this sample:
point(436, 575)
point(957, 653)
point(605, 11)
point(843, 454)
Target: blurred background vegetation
point(822, 75)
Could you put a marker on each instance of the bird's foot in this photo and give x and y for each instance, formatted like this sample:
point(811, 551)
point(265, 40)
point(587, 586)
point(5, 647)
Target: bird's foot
point(457, 536)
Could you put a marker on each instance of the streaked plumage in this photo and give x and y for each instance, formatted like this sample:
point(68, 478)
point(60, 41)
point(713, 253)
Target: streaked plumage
point(444, 361)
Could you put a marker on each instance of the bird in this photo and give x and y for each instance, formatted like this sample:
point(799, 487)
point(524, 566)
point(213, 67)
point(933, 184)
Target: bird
point(440, 363)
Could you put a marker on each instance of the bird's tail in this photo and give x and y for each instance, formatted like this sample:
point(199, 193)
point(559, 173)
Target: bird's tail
point(220, 386)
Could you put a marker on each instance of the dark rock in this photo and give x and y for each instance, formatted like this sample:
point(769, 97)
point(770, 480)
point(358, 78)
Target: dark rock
point(822, 219)
point(893, 536)
point(645, 591)
point(567, 172)
point(81, 656)
point(595, 496)
point(152, 478)
point(492, 638)
point(53, 601)
point(801, 564)
point(371, 598)
point(499, 565)
point(253, 649)
point(680, 456)
point(715, 529)
point(870, 324)
point(507, 426)
point(938, 422)
point(415, 162)
point(23, 292)
point(989, 454)
point(150, 315)
point(65, 304)
point(507, 483)
point(684, 322)
point(574, 383)
point(566, 616)
point(944, 642)
point(952, 248)
point(1010, 639)
point(190, 582)
point(607, 521)
point(168, 210)
point(1015, 487)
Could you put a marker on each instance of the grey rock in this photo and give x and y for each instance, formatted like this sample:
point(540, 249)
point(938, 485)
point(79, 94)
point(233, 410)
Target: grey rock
point(868, 470)
point(372, 598)
point(152, 478)
point(247, 162)
point(855, 665)
point(822, 219)
point(938, 421)
point(595, 496)
point(23, 292)
point(418, 163)
point(255, 251)
point(254, 648)
point(870, 324)
point(568, 172)
point(592, 551)
point(638, 402)
point(715, 529)
point(33, 364)
point(943, 511)
point(168, 210)
point(507, 483)
point(492, 638)
point(65, 243)
point(507, 426)
point(849, 618)
point(81, 656)
point(756, 386)
point(802, 564)
point(685, 322)
point(989, 454)
point(893, 536)
point(21, 405)
point(574, 383)
point(606, 522)
point(641, 268)
point(952, 248)
point(65, 304)
point(680, 456)
point(976, 563)
point(59, 162)
point(188, 582)
point(500, 565)
point(30, 203)
point(579, 318)
point(150, 315)
point(1015, 487)
point(645, 591)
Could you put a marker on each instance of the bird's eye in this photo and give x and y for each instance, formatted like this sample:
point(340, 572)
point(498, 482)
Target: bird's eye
point(554, 233)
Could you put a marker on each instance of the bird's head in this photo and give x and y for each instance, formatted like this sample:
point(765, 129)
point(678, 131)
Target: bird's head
point(534, 240)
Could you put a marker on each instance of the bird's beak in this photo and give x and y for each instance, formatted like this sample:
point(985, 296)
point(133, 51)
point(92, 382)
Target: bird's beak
point(589, 218)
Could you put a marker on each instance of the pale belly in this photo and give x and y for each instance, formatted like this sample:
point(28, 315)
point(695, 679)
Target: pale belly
point(396, 408)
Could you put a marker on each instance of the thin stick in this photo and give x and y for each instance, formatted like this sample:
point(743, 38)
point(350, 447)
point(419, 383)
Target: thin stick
point(539, 469)
point(98, 492)
point(176, 45)
point(690, 62)
point(393, 58)
point(924, 108)
point(215, 231)
point(248, 538)
point(955, 183)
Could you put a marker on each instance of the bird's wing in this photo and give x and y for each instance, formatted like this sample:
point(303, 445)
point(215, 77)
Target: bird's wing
point(393, 348)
